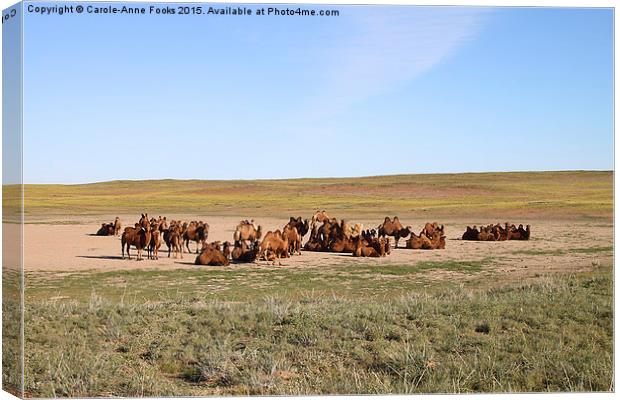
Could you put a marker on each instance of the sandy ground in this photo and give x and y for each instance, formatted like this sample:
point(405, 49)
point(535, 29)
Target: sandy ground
point(558, 246)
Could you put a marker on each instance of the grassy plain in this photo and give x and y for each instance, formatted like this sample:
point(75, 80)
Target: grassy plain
point(127, 334)
point(571, 194)
point(470, 324)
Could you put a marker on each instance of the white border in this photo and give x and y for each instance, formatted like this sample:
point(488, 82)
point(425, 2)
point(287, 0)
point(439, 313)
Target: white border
point(506, 3)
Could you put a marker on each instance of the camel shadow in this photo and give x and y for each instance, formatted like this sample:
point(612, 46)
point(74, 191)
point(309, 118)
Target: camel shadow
point(94, 234)
point(105, 257)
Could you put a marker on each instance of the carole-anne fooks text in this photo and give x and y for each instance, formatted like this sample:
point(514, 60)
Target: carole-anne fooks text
point(176, 10)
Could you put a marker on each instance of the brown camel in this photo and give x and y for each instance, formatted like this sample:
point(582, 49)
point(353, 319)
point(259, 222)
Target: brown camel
point(212, 255)
point(242, 253)
point(294, 239)
point(274, 246)
point(139, 237)
point(393, 227)
point(247, 231)
point(197, 232)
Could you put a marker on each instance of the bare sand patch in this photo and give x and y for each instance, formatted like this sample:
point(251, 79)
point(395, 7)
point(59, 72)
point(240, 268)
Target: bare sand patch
point(555, 246)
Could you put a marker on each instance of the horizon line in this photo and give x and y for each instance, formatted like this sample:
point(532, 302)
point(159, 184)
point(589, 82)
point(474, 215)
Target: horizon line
point(312, 178)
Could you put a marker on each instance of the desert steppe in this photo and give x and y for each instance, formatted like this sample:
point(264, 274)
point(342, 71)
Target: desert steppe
point(507, 316)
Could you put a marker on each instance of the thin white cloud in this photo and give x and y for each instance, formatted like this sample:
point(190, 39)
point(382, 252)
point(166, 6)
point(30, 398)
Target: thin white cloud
point(381, 52)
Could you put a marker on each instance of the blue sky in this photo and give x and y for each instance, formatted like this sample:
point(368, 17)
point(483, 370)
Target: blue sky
point(378, 90)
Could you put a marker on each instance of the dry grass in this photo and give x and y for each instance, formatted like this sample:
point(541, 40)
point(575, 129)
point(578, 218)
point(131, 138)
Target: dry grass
point(573, 194)
point(553, 335)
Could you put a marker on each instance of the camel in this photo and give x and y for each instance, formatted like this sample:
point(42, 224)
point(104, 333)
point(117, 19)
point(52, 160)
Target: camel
point(423, 242)
point(242, 253)
point(519, 233)
point(503, 231)
point(155, 244)
point(314, 242)
point(342, 245)
point(379, 247)
point(197, 232)
point(173, 239)
point(488, 233)
point(312, 245)
point(329, 231)
point(302, 226)
point(163, 223)
point(117, 226)
point(351, 231)
point(417, 242)
point(156, 238)
point(139, 237)
point(369, 234)
point(393, 228)
point(226, 249)
point(318, 218)
point(470, 233)
point(357, 230)
point(106, 230)
point(294, 239)
point(246, 231)
point(432, 229)
point(274, 246)
point(211, 255)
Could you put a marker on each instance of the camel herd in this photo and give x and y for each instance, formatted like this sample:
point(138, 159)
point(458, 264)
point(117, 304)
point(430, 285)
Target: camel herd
point(497, 232)
point(341, 236)
point(326, 235)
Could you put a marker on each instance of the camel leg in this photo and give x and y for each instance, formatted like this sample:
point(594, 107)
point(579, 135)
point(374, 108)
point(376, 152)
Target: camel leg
point(123, 250)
